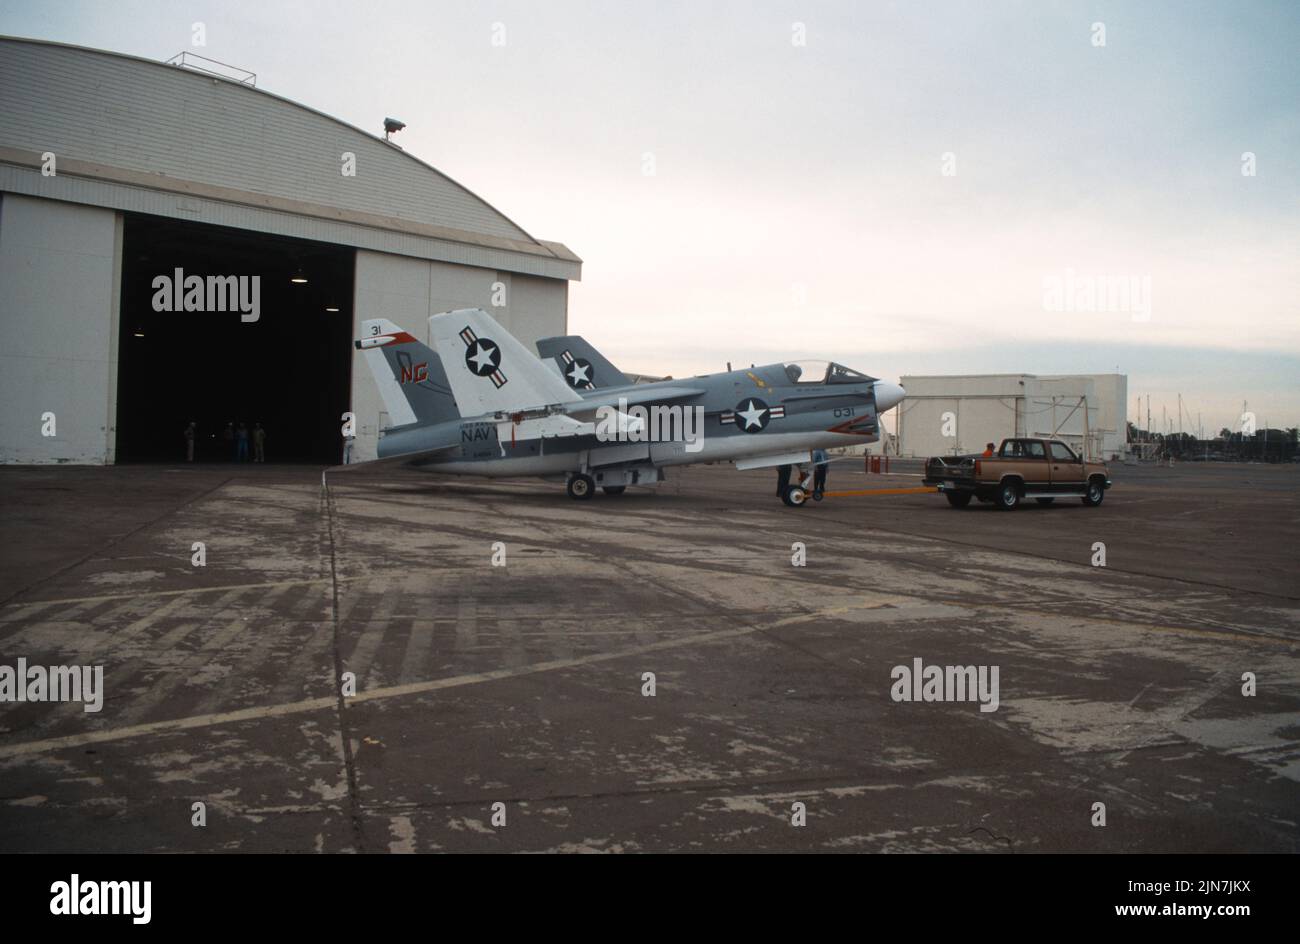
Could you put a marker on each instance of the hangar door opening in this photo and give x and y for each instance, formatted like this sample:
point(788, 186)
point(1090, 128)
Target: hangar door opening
point(288, 370)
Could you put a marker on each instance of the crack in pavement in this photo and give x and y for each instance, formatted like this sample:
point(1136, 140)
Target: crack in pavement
point(349, 762)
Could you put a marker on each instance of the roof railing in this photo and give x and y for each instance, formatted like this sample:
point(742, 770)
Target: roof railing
point(190, 60)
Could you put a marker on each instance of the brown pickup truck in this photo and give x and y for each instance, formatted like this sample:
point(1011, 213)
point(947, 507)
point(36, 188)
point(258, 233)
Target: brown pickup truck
point(1041, 469)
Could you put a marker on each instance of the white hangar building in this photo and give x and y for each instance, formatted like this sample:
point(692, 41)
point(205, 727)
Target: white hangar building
point(116, 170)
point(957, 415)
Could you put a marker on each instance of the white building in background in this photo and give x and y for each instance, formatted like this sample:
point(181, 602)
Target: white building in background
point(90, 139)
point(954, 415)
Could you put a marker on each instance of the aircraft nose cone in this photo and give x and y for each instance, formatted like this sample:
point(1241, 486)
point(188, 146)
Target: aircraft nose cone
point(888, 396)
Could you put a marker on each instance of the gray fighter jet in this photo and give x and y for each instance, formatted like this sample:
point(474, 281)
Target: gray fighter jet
point(480, 403)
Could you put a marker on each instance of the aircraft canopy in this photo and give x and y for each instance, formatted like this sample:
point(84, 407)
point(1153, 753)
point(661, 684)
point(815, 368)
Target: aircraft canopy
point(811, 372)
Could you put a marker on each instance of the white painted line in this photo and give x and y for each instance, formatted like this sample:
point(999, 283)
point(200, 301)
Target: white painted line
point(28, 748)
point(171, 593)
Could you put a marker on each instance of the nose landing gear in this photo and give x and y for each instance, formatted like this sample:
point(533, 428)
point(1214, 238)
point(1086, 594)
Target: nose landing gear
point(796, 495)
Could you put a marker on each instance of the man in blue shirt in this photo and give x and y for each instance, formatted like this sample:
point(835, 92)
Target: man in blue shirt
point(782, 479)
point(821, 462)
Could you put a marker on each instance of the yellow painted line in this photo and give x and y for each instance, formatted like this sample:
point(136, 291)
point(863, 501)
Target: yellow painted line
point(919, 490)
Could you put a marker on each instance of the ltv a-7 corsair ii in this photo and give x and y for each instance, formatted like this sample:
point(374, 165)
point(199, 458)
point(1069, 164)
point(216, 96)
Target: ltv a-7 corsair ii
point(480, 403)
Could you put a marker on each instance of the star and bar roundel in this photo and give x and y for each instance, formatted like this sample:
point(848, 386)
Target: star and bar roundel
point(752, 415)
point(483, 356)
point(577, 371)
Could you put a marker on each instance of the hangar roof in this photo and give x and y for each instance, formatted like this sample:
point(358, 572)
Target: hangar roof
point(144, 136)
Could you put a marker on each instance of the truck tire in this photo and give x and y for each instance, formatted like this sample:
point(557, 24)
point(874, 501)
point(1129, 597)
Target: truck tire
point(1096, 492)
point(1008, 496)
point(1044, 501)
point(957, 499)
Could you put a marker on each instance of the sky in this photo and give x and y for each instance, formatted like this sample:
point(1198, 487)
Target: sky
point(907, 188)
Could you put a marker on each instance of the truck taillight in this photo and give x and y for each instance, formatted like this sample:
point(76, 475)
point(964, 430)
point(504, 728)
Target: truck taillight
point(977, 467)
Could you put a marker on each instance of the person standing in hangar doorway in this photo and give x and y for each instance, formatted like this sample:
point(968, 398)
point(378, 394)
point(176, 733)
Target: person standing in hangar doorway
point(229, 436)
point(241, 442)
point(259, 443)
point(191, 434)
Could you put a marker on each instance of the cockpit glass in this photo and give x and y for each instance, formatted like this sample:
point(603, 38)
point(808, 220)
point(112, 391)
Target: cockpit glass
point(807, 372)
point(839, 374)
point(815, 372)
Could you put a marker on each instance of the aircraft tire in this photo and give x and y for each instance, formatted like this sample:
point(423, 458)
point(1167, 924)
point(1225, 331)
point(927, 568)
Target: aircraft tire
point(614, 489)
point(581, 487)
point(795, 496)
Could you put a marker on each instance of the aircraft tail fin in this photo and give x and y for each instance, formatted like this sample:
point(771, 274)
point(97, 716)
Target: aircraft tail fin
point(583, 367)
point(488, 369)
point(409, 375)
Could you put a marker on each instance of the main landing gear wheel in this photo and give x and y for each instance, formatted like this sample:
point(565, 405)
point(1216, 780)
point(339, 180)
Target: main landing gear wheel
point(614, 489)
point(581, 487)
point(958, 499)
point(1096, 492)
point(794, 496)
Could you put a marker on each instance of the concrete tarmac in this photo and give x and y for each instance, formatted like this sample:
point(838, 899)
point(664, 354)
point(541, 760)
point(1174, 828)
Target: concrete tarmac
point(524, 685)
